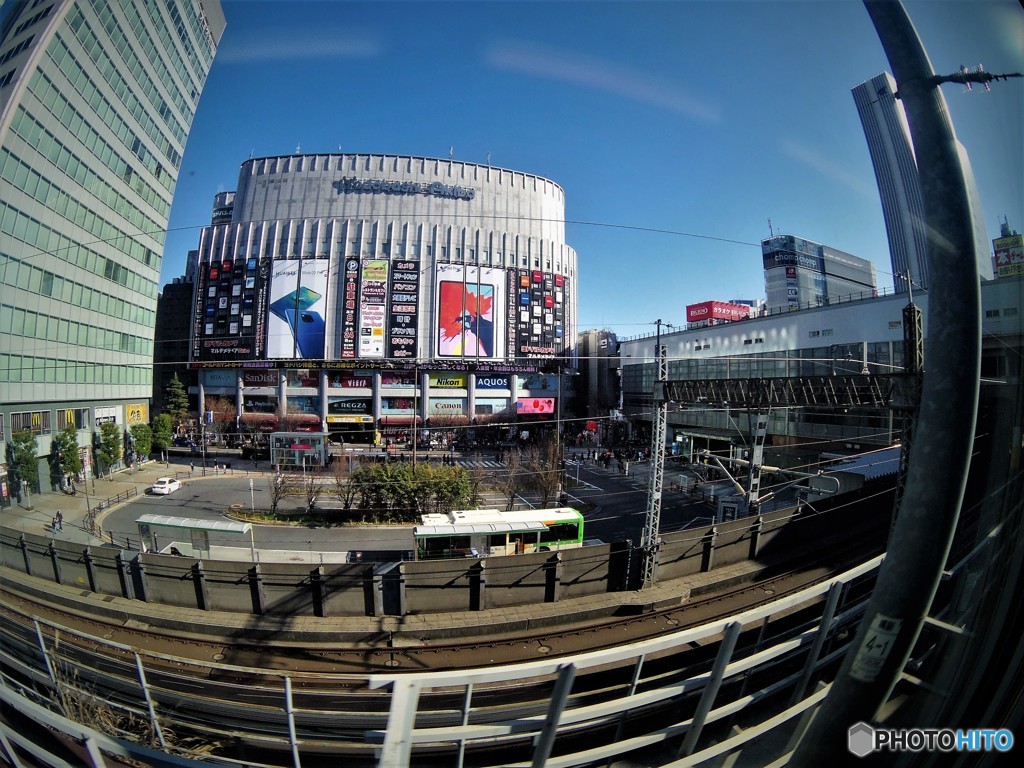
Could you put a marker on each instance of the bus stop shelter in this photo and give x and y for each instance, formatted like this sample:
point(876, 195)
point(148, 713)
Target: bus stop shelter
point(153, 527)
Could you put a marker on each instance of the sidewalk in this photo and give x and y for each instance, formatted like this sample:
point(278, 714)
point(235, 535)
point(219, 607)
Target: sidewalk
point(75, 509)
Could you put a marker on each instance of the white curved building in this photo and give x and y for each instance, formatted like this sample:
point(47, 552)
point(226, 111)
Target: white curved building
point(368, 263)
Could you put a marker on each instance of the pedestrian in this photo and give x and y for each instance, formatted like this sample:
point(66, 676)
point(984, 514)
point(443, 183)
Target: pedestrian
point(53, 525)
point(60, 520)
point(191, 467)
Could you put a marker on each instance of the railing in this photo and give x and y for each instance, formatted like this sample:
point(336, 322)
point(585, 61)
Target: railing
point(694, 698)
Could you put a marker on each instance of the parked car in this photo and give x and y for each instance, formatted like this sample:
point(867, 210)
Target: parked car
point(165, 485)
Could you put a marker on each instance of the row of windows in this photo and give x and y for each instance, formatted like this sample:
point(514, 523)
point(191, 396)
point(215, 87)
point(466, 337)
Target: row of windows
point(292, 247)
point(157, 20)
point(186, 41)
point(30, 21)
point(22, 176)
point(44, 370)
point(131, 12)
point(15, 223)
point(72, 417)
point(38, 136)
point(28, 277)
point(882, 357)
point(40, 327)
point(201, 29)
point(5, 80)
point(126, 48)
point(16, 50)
point(121, 87)
point(82, 81)
point(36, 422)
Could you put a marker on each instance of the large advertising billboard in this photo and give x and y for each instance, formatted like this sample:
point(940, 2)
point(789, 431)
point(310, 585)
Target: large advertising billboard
point(469, 316)
point(1009, 255)
point(540, 305)
point(403, 316)
point(227, 323)
point(296, 322)
point(373, 299)
point(348, 308)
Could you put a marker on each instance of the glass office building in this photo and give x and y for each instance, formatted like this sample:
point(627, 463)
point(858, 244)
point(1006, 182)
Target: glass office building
point(96, 102)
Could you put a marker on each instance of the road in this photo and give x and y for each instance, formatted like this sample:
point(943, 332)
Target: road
point(619, 508)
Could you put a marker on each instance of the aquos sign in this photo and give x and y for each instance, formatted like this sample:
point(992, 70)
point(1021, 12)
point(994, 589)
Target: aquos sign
point(435, 189)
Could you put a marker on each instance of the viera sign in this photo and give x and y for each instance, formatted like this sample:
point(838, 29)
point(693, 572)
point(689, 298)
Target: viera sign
point(434, 189)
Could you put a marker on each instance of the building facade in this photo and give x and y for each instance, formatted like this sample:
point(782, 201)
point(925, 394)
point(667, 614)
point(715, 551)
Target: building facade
point(355, 292)
point(899, 186)
point(96, 102)
point(850, 337)
point(799, 272)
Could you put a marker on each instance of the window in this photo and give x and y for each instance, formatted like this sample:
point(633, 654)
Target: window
point(76, 417)
point(36, 422)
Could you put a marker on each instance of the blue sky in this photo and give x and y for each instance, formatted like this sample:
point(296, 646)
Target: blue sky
point(678, 129)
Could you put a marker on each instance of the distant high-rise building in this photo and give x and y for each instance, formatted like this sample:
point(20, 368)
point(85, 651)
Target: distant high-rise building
point(800, 273)
point(96, 101)
point(899, 185)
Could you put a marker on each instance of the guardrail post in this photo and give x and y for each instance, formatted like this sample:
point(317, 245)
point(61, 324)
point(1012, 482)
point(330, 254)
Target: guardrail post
point(707, 698)
point(819, 641)
point(200, 586)
point(478, 586)
point(124, 574)
point(553, 568)
point(707, 561)
point(259, 599)
point(149, 702)
point(139, 577)
point(90, 568)
point(559, 697)
point(317, 587)
point(755, 536)
point(51, 550)
point(23, 545)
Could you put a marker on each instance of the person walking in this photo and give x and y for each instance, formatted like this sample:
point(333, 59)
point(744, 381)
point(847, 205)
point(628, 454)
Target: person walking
point(59, 519)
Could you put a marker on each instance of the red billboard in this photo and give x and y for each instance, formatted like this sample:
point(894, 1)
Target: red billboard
point(716, 310)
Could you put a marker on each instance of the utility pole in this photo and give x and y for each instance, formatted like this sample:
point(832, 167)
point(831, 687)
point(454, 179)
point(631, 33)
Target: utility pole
point(649, 539)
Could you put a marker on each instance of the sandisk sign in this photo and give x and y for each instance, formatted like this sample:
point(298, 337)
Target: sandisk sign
point(716, 310)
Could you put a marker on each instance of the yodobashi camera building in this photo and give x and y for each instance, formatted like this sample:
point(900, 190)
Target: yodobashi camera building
point(371, 289)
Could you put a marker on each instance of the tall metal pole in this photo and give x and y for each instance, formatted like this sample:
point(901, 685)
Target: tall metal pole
point(649, 537)
point(944, 433)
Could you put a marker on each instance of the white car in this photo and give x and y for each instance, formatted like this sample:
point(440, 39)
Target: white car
point(165, 485)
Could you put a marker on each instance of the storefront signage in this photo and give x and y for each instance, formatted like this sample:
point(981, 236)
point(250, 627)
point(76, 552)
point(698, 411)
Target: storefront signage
point(447, 406)
point(380, 186)
point(264, 378)
point(349, 405)
point(372, 302)
point(448, 381)
point(136, 413)
point(348, 309)
point(219, 378)
point(492, 382)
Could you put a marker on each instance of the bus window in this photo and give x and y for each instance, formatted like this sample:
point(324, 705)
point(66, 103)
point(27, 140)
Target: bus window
point(568, 532)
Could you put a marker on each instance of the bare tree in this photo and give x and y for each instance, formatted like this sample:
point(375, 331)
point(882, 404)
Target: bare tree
point(345, 488)
point(544, 466)
point(312, 487)
point(511, 480)
point(279, 487)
